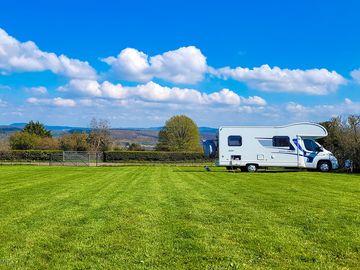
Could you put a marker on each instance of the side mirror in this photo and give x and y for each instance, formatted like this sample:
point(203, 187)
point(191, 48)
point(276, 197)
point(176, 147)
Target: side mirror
point(320, 149)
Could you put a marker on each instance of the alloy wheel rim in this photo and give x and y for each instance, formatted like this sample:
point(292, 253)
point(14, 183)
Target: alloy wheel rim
point(324, 167)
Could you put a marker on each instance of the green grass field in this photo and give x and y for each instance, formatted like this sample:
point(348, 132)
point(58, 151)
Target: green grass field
point(164, 217)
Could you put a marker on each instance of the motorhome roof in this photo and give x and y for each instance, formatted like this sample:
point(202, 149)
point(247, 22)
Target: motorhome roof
point(283, 126)
point(307, 129)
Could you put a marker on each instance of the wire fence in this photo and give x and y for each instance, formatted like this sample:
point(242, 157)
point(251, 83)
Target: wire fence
point(76, 158)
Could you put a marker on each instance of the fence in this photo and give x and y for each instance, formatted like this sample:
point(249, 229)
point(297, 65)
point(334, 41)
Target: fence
point(79, 158)
point(75, 158)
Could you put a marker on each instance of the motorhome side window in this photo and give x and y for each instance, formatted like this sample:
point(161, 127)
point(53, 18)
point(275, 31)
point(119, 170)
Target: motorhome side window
point(234, 141)
point(310, 145)
point(281, 141)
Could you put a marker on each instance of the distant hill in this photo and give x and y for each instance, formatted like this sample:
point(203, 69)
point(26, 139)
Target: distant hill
point(18, 126)
point(8, 129)
point(52, 128)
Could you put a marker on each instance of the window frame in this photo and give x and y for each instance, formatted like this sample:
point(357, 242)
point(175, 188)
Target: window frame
point(313, 143)
point(281, 146)
point(231, 145)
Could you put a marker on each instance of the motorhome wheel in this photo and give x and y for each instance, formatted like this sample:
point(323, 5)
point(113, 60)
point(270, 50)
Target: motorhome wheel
point(324, 166)
point(251, 168)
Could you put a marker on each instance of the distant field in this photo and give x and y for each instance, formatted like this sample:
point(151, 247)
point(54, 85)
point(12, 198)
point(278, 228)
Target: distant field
point(163, 217)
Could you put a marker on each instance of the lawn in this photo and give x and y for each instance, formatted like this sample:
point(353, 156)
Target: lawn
point(162, 217)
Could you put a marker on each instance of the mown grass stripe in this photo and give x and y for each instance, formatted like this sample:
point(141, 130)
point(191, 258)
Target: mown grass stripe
point(162, 217)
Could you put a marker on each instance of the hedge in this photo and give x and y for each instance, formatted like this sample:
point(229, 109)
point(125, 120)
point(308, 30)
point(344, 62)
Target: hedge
point(154, 156)
point(27, 155)
point(110, 156)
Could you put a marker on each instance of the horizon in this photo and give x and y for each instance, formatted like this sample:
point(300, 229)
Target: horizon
point(139, 63)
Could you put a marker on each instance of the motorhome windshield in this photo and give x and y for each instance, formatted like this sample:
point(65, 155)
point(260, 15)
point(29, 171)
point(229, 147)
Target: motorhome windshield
point(311, 145)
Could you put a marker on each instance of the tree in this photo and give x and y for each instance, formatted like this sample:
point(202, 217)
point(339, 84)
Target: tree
point(74, 142)
point(343, 139)
point(134, 147)
point(37, 128)
point(23, 141)
point(99, 138)
point(34, 136)
point(4, 145)
point(46, 143)
point(179, 134)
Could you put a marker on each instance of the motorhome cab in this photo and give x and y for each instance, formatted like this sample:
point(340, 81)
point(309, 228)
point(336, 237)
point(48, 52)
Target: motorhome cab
point(251, 147)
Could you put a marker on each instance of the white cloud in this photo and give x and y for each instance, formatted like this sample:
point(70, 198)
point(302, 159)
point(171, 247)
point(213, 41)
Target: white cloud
point(131, 65)
point(348, 101)
point(16, 56)
point(224, 96)
point(355, 74)
point(82, 87)
point(184, 65)
point(154, 92)
point(347, 107)
point(255, 100)
point(40, 90)
point(3, 103)
point(5, 87)
point(58, 101)
point(64, 102)
point(296, 108)
point(265, 78)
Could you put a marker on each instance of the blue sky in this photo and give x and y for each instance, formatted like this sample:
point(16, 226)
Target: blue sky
point(136, 63)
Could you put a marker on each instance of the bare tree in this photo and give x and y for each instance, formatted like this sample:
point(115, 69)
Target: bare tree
point(99, 138)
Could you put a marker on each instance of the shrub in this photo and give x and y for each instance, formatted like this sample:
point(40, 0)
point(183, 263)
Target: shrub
point(26, 155)
point(134, 147)
point(47, 143)
point(74, 142)
point(154, 156)
point(23, 141)
point(4, 145)
point(27, 141)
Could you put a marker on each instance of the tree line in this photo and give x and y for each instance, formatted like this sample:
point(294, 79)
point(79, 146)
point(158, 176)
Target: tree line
point(34, 136)
point(179, 134)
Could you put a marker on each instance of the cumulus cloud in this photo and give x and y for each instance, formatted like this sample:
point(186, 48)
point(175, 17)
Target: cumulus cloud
point(16, 56)
point(154, 92)
point(40, 90)
point(58, 101)
point(255, 100)
point(355, 74)
point(327, 110)
point(296, 108)
point(186, 65)
point(265, 78)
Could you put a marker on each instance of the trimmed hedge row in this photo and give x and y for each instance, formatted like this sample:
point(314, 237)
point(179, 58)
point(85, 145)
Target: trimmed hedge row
point(26, 155)
point(154, 156)
point(110, 156)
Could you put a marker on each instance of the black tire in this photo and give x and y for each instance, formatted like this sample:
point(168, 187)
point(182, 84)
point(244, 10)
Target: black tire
point(251, 168)
point(324, 166)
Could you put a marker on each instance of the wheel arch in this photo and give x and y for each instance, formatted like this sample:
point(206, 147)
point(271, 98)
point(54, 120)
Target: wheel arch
point(323, 161)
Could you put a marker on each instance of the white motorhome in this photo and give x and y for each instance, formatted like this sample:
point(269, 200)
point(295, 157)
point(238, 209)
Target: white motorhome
point(252, 147)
